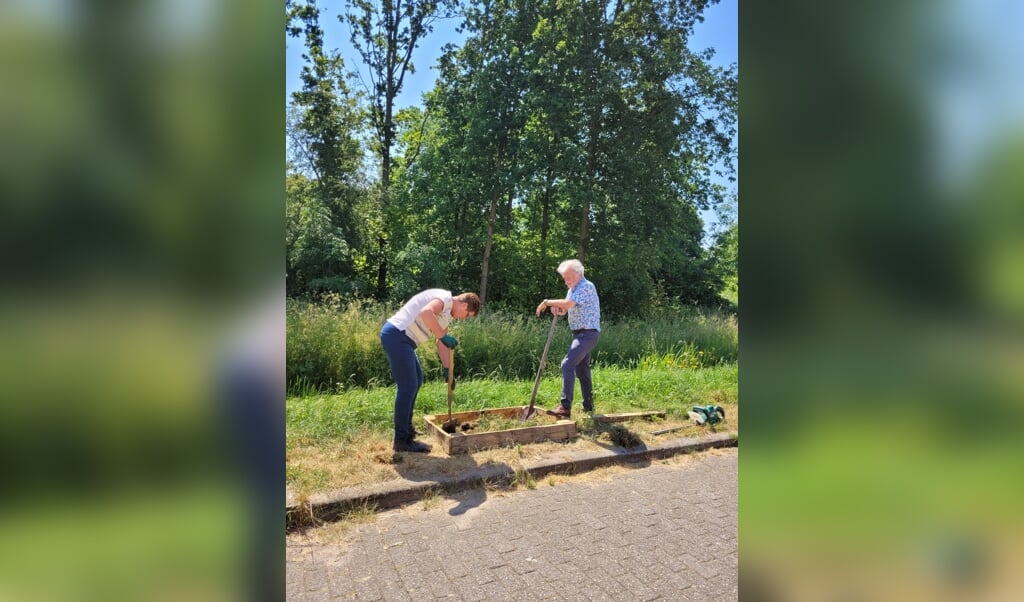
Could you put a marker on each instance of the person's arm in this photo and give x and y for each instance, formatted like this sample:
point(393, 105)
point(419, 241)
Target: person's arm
point(558, 306)
point(444, 354)
point(429, 315)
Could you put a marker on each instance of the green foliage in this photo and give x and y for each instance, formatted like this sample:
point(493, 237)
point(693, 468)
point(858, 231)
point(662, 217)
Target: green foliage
point(724, 255)
point(555, 130)
point(334, 346)
point(417, 267)
point(561, 130)
point(315, 250)
point(322, 233)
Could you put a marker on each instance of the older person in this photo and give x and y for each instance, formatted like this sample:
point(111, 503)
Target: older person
point(425, 314)
point(584, 309)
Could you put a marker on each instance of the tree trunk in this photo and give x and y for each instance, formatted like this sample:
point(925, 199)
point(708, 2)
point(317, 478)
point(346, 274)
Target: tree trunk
point(485, 268)
point(385, 184)
point(508, 212)
point(499, 163)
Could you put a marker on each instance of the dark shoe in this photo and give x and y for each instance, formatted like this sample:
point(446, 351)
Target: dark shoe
point(411, 446)
point(559, 412)
point(588, 407)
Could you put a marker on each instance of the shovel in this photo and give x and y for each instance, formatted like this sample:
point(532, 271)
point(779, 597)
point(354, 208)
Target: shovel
point(450, 425)
point(529, 412)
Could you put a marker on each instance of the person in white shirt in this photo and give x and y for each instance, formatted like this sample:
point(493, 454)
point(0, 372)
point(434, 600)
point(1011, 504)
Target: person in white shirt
point(426, 314)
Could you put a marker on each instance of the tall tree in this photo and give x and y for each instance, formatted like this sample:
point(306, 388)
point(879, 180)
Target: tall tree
point(385, 33)
point(322, 122)
point(564, 128)
point(486, 81)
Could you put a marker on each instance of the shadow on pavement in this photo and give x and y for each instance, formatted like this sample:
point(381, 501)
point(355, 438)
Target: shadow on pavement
point(453, 475)
point(473, 498)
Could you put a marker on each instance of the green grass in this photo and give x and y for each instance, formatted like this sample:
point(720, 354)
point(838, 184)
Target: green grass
point(340, 409)
point(656, 383)
point(331, 347)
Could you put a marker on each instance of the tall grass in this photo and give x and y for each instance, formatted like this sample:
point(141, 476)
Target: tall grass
point(331, 346)
point(335, 347)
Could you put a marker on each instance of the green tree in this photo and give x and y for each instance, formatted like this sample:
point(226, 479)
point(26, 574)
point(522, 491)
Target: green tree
point(317, 256)
point(557, 129)
point(482, 90)
point(600, 134)
point(323, 120)
point(724, 254)
point(385, 33)
point(662, 121)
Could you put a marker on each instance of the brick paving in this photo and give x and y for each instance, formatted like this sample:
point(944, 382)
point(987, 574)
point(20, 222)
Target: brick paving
point(666, 531)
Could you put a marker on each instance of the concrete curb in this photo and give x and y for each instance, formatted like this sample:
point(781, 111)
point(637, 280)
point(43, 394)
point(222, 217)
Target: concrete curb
point(398, 492)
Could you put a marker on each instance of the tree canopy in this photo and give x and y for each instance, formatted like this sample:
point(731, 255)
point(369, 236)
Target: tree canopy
point(555, 130)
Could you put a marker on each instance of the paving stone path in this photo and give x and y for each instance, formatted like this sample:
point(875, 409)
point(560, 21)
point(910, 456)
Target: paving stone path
point(665, 531)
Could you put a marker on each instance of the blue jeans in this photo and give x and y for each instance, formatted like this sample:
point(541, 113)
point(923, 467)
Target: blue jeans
point(408, 375)
point(576, 364)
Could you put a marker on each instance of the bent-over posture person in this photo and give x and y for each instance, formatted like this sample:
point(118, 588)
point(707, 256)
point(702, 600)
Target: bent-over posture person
point(425, 314)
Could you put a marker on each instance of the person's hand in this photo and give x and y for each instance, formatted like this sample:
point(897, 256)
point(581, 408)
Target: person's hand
point(558, 311)
point(444, 371)
point(542, 306)
point(449, 341)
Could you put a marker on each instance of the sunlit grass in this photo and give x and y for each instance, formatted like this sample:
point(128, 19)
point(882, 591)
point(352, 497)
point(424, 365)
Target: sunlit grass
point(344, 440)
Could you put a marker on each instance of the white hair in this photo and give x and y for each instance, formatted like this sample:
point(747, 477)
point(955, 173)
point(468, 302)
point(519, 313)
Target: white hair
point(570, 264)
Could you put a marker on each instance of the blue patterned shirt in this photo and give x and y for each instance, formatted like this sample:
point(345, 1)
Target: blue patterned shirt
point(587, 311)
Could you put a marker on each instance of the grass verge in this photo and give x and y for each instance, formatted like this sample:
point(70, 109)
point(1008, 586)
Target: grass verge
point(344, 440)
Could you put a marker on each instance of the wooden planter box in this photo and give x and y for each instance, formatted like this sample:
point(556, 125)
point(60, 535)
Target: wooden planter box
point(462, 442)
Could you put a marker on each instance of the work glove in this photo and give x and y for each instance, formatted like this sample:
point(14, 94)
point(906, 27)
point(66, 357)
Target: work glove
point(444, 372)
point(449, 341)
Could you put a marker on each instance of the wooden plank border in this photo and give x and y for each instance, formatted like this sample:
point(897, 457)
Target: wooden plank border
point(461, 442)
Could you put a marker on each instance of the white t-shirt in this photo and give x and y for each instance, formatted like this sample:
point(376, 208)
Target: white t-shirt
point(408, 318)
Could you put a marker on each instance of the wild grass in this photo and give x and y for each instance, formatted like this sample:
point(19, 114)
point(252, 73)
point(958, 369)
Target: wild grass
point(522, 478)
point(334, 347)
point(431, 498)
